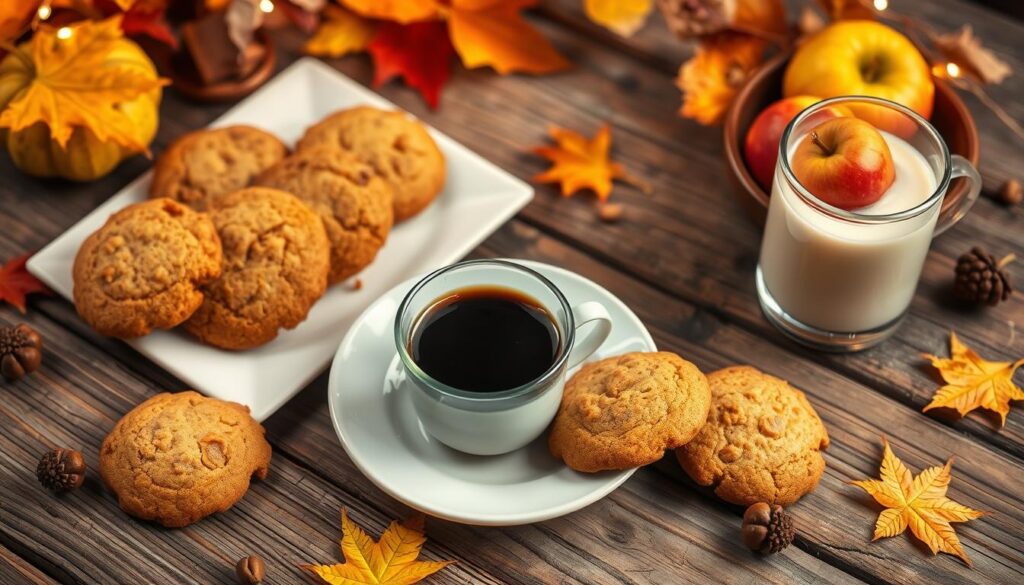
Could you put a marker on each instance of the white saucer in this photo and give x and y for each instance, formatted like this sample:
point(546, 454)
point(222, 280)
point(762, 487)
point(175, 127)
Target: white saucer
point(377, 426)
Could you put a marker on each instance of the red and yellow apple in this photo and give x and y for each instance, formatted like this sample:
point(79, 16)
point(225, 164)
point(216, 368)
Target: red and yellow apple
point(864, 57)
point(761, 147)
point(844, 162)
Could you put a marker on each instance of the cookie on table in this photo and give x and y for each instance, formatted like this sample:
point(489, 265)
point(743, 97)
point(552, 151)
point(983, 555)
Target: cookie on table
point(177, 458)
point(353, 202)
point(399, 149)
point(144, 268)
point(211, 162)
point(624, 411)
point(762, 441)
point(276, 260)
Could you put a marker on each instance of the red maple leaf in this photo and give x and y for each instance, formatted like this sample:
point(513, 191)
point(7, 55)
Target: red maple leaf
point(16, 283)
point(142, 19)
point(420, 52)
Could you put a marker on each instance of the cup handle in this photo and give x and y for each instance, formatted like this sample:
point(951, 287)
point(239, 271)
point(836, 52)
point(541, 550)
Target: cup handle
point(961, 167)
point(589, 312)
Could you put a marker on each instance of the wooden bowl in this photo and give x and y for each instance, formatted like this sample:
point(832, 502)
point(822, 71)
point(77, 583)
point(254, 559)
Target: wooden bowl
point(186, 79)
point(949, 116)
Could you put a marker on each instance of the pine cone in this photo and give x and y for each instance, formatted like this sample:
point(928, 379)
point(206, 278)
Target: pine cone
point(61, 470)
point(20, 351)
point(767, 529)
point(690, 18)
point(982, 280)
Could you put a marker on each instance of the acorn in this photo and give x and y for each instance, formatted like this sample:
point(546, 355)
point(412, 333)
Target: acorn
point(767, 529)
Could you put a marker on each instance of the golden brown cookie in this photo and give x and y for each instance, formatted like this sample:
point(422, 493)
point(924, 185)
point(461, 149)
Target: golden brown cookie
point(762, 441)
point(144, 268)
point(276, 259)
point(211, 162)
point(354, 203)
point(177, 458)
point(624, 411)
point(399, 149)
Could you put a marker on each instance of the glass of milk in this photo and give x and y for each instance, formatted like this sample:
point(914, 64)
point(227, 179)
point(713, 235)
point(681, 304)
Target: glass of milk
point(842, 280)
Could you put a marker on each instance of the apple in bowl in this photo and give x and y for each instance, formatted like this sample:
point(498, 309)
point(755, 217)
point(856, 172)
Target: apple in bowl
point(761, 146)
point(864, 57)
point(844, 162)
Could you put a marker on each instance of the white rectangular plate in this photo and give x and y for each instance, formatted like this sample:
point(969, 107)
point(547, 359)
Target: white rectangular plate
point(476, 200)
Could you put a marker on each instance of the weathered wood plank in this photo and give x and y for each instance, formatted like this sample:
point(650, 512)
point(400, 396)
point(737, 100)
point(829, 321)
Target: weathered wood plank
point(83, 537)
point(856, 419)
point(558, 551)
point(674, 239)
point(16, 570)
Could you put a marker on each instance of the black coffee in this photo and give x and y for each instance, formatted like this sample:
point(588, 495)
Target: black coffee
point(485, 339)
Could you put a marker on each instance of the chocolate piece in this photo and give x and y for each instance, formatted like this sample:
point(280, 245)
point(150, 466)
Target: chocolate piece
point(215, 57)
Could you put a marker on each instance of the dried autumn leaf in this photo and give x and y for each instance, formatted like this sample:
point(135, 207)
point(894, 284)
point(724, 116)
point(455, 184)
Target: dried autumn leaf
point(77, 84)
point(848, 9)
point(582, 164)
point(16, 283)
point(972, 382)
point(918, 502)
point(711, 78)
point(341, 32)
point(420, 53)
point(964, 49)
point(401, 11)
point(15, 16)
point(392, 561)
point(492, 32)
point(146, 17)
point(624, 17)
point(690, 18)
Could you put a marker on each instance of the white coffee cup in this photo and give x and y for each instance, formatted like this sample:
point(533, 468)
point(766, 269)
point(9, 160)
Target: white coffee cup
point(492, 423)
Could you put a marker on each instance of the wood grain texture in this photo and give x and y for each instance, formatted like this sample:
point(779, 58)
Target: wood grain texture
point(682, 259)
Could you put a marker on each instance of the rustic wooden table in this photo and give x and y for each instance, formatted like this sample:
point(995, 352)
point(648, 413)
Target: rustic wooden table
point(683, 259)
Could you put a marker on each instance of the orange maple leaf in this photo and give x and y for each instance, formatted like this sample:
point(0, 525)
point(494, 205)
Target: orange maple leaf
point(918, 502)
point(16, 283)
point(973, 382)
point(493, 33)
point(401, 11)
point(392, 561)
point(76, 83)
point(15, 16)
point(711, 78)
point(583, 164)
point(340, 32)
point(484, 32)
point(623, 17)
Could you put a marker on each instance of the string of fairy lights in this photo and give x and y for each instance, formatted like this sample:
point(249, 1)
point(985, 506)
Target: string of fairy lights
point(941, 68)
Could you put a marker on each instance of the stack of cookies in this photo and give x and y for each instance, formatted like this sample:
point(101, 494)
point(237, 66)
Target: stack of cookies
point(751, 436)
point(241, 238)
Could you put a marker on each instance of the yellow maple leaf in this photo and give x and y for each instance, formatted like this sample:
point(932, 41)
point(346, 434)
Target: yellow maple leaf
point(492, 32)
point(918, 502)
point(79, 82)
point(579, 163)
point(623, 17)
point(973, 382)
point(401, 11)
point(392, 561)
point(711, 78)
point(340, 32)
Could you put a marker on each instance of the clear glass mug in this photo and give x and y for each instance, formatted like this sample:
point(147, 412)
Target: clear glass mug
point(840, 280)
point(493, 423)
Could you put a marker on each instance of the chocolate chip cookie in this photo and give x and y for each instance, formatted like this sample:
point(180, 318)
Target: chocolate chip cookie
point(399, 149)
point(762, 441)
point(276, 259)
point(624, 411)
point(210, 162)
point(354, 203)
point(177, 458)
point(144, 268)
